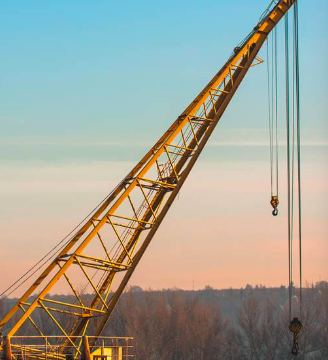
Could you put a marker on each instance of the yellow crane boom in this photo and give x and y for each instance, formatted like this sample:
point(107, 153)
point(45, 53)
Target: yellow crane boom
point(125, 223)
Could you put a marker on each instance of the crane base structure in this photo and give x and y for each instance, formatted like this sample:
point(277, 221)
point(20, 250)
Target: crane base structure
point(48, 348)
point(108, 246)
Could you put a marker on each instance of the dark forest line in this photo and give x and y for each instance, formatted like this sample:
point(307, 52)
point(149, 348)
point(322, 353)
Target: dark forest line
point(233, 324)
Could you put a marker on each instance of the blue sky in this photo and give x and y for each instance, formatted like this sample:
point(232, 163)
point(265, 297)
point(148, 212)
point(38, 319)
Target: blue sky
point(84, 68)
point(86, 87)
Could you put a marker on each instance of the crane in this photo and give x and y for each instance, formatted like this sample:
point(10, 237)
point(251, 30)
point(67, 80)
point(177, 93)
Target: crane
point(112, 241)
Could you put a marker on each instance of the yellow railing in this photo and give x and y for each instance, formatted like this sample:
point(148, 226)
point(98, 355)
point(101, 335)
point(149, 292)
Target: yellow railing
point(50, 348)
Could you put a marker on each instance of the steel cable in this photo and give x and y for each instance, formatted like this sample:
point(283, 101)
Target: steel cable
point(298, 139)
point(51, 253)
point(288, 165)
point(295, 325)
point(276, 109)
point(269, 109)
point(272, 89)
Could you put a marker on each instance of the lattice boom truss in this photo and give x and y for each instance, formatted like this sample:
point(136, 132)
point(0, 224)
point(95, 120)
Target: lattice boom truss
point(127, 220)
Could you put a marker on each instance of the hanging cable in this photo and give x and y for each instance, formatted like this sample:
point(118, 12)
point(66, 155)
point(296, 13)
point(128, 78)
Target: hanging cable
point(272, 79)
point(295, 325)
point(298, 126)
point(269, 116)
point(276, 109)
point(292, 178)
point(288, 165)
point(50, 255)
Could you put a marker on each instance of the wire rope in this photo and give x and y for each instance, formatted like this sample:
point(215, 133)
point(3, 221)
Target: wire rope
point(295, 325)
point(293, 128)
point(269, 116)
point(276, 108)
point(298, 139)
point(51, 253)
point(272, 90)
point(288, 163)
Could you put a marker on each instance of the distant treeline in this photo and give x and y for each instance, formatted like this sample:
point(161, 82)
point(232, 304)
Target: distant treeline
point(234, 324)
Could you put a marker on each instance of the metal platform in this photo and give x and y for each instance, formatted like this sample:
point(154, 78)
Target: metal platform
point(80, 347)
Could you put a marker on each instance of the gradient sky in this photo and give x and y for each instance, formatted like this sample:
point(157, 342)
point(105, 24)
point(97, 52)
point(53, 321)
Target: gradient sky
point(86, 87)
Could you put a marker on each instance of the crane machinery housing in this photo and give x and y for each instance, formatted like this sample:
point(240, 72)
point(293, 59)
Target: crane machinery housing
point(113, 239)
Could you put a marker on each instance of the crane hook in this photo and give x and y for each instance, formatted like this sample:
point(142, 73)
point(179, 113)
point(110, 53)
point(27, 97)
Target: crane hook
point(274, 203)
point(295, 327)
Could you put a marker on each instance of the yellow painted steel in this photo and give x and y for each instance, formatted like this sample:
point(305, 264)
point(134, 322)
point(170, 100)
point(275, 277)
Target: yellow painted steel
point(47, 347)
point(141, 200)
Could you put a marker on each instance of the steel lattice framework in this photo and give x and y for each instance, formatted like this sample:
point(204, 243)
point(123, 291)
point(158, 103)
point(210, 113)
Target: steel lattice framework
point(125, 223)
